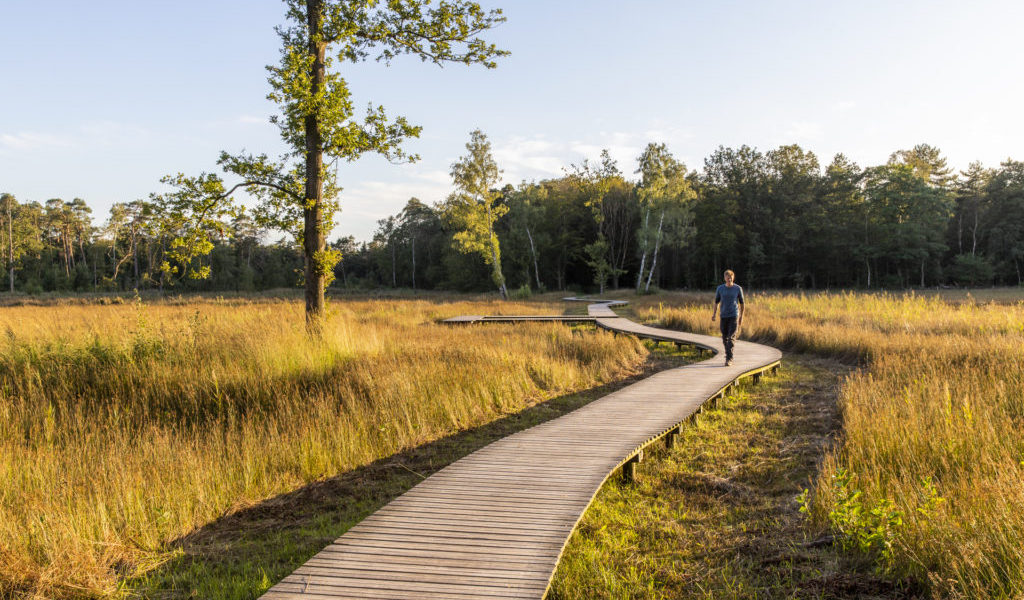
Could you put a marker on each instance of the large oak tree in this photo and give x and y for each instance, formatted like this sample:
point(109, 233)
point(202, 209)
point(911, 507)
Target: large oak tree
point(318, 121)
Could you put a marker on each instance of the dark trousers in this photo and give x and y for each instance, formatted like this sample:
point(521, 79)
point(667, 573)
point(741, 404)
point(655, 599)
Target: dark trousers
point(728, 325)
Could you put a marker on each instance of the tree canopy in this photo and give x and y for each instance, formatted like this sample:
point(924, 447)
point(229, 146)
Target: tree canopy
point(775, 217)
point(319, 122)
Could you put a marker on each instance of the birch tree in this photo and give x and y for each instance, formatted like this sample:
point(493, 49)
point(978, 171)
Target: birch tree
point(474, 208)
point(664, 193)
point(594, 181)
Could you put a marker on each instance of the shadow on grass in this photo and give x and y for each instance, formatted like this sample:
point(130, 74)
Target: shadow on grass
point(242, 554)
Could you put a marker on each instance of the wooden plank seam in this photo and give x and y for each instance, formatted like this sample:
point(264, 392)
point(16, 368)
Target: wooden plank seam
point(477, 528)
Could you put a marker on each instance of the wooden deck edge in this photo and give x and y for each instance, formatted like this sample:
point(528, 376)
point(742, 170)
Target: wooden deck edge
point(686, 420)
point(636, 454)
point(657, 338)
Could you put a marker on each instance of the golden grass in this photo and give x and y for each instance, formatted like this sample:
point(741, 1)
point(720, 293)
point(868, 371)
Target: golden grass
point(125, 427)
point(929, 478)
point(714, 517)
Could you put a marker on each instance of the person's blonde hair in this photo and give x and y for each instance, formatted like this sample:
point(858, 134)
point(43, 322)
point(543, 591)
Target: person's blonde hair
point(729, 272)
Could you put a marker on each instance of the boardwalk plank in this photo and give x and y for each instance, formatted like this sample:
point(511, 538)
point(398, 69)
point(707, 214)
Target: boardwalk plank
point(493, 524)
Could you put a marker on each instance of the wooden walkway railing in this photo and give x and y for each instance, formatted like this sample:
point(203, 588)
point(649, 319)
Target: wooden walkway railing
point(493, 524)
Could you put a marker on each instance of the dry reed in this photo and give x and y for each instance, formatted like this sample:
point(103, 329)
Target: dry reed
point(929, 478)
point(125, 427)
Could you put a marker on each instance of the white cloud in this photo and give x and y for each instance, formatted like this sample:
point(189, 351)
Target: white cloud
point(804, 131)
point(623, 147)
point(536, 157)
point(436, 177)
point(88, 136)
point(528, 158)
point(844, 105)
point(111, 133)
point(31, 140)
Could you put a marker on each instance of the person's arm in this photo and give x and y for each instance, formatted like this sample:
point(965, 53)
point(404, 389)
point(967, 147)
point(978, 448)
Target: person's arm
point(714, 307)
point(739, 315)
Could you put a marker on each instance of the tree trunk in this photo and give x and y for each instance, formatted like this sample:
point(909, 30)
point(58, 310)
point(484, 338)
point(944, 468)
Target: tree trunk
point(867, 262)
point(922, 272)
point(533, 253)
point(414, 263)
point(974, 234)
point(960, 233)
point(67, 256)
point(643, 255)
point(135, 261)
point(81, 248)
point(394, 269)
point(10, 241)
point(654, 257)
point(499, 277)
point(314, 240)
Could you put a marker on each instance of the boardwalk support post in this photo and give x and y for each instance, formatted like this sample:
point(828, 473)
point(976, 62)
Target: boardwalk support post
point(670, 438)
point(629, 469)
point(505, 479)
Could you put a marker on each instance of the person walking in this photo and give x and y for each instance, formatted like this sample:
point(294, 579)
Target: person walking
point(730, 297)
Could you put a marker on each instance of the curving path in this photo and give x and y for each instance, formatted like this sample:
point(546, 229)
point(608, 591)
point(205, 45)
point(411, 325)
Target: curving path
point(493, 524)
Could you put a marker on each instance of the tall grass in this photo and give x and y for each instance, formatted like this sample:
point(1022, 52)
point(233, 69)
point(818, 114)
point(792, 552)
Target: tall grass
point(928, 481)
point(125, 427)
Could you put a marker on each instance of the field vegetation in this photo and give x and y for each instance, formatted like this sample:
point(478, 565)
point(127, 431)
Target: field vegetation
point(715, 517)
point(127, 426)
point(928, 480)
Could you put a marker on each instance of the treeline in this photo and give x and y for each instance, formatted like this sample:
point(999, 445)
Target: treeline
point(777, 218)
point(54, 246)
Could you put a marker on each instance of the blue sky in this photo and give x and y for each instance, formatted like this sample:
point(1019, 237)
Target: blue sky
point(100, 99)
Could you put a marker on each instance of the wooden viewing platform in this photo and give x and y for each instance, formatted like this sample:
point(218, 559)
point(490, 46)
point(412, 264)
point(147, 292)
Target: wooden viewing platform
point(493, 524)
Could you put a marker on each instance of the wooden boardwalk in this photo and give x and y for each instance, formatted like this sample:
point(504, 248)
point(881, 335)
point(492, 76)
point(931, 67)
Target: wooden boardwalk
point(493, 524)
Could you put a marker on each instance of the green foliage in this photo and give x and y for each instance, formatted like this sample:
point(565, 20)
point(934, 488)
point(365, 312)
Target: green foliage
point(971, 270)
point(474, 207)
point(871, 530)
point(189, 218)
point(770, 216)
point(522, 293)
point(665, 191)
point(594, 182)
point(318, 120)
point(18, 233)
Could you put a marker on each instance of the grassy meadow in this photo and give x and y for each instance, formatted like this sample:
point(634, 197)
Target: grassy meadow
point(928, 480)
point(130, 430)
point(714, 517)
point(126, 426)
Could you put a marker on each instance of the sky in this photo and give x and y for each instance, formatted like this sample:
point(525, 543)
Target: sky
point(100, 99)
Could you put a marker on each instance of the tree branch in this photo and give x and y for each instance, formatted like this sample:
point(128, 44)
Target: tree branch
point(251, 183)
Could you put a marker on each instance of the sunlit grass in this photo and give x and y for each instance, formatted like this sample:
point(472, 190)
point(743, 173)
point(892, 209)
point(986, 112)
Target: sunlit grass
point(125, 427)
point(715, 517)
point(932, 427)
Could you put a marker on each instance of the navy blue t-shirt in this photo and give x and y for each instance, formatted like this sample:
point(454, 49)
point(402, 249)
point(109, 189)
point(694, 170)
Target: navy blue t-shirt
point(730, 297)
